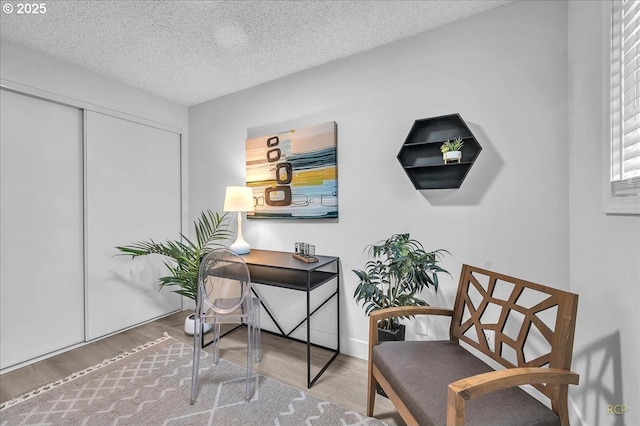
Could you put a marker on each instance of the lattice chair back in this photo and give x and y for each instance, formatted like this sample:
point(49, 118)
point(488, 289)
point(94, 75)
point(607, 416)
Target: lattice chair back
point(225, 296)
point(515, 322)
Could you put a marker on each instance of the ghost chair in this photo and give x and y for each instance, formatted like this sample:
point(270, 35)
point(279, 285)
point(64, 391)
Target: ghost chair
point(225, 296)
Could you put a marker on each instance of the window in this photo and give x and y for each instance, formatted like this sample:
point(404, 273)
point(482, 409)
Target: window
point(624, 178)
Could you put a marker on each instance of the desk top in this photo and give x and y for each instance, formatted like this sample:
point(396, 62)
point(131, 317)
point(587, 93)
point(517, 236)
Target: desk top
point(285, 260)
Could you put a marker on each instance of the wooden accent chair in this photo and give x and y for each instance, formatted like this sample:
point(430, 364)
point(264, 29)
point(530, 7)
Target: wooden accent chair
point(443, 382)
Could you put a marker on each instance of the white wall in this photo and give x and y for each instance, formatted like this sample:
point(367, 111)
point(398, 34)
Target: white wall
point(504, 71)
point(605, 249)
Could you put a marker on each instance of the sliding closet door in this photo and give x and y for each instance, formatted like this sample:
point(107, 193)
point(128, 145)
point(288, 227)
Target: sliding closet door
point(133, 194)
point(41, 266)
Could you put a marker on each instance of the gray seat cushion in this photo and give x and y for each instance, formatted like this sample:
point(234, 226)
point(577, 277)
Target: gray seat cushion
point(420, 372)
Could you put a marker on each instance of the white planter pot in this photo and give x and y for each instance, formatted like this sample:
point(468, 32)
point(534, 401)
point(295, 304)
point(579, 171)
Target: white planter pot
point(189, 323)
point(452, 156)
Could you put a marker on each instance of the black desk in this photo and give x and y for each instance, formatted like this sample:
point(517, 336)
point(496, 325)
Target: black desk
point(281, 269)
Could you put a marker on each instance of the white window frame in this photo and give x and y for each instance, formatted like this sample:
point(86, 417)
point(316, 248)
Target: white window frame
point(615, 200)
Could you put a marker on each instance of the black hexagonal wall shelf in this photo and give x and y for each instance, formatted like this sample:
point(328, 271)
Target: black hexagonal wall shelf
point(422, 160)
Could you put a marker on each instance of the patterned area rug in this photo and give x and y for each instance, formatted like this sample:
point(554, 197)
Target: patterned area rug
point(151, 386)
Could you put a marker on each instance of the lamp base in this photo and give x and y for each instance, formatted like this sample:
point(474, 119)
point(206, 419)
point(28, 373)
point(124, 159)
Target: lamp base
point(240, 247)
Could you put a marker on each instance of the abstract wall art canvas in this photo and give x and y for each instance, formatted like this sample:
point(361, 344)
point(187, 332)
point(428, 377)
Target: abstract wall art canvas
point(294, 174)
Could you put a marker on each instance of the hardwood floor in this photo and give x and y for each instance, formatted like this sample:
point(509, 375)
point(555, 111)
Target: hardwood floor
point(343, 383)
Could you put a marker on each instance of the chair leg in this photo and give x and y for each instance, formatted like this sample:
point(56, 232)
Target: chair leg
point(250, 349)
point(197, 343)
point(257, 332)
point(216, 341)
point(371, 392)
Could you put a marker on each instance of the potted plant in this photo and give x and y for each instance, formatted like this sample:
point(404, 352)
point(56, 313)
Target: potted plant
point(451, 150)
point(183, 255)
point(397, 274)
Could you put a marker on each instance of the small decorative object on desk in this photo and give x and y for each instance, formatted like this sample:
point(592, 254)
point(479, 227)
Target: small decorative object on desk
point(305, 252)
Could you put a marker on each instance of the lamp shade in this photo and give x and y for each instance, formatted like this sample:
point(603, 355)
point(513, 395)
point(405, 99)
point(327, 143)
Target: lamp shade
point(238, 199)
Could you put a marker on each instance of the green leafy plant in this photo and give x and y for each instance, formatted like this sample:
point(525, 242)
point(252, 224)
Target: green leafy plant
point(397, 274)
point(453, 145)
point(185, 255)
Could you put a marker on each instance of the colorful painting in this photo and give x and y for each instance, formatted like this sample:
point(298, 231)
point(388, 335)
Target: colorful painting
point(294, 174)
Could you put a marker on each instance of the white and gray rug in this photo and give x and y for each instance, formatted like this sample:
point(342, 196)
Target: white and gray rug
point(151, 386)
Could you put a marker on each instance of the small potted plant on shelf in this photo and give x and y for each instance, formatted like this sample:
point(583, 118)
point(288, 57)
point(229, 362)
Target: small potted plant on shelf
point(451, 150)
point(183, 255)
point(397, 274)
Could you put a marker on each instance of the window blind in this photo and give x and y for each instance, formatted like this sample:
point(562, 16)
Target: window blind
point(625, 98)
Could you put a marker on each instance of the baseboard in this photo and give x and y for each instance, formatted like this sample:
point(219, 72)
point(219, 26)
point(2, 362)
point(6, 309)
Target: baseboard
point(354, 347)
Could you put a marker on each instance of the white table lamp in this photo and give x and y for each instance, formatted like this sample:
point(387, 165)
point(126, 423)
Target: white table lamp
point(239, 199)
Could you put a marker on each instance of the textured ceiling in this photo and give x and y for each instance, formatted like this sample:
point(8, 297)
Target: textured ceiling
point(193, 51)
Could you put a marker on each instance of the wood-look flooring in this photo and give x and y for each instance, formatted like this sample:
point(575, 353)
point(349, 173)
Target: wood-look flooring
point(343, 383)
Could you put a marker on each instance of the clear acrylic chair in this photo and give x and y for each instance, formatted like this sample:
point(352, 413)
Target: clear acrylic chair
point(225, 296)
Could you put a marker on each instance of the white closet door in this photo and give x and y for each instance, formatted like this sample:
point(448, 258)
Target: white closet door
point(41, 253)
point(133, 194)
